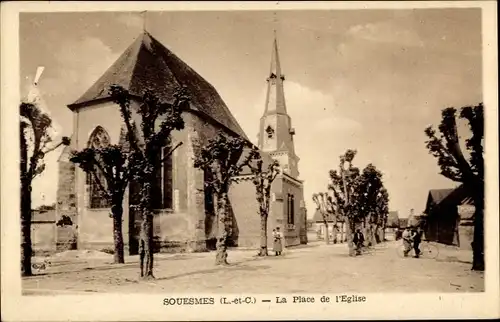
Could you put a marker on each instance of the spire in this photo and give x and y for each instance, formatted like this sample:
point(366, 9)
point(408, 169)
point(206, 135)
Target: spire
point(275, 59)
point(275, 101)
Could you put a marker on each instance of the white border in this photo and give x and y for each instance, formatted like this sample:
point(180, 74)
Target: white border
point(149, 307)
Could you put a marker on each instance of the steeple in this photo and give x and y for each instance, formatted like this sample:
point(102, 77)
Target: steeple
point(276, 133)
point(275, 101)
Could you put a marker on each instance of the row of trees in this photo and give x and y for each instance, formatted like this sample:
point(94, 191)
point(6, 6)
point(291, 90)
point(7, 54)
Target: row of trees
point(137, 160)
point(355, 198)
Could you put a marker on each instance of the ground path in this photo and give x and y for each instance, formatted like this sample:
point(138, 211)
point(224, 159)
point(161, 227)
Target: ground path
point(313, 268)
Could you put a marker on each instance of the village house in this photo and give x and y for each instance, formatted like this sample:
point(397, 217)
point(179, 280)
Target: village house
point(184, 219)
point(336, 228)
point(448, 216)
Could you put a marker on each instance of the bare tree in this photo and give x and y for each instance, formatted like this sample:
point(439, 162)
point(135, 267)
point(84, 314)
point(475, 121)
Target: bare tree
point(263, 180)
point(219, 158)
point(158, 120)
point(34, 143)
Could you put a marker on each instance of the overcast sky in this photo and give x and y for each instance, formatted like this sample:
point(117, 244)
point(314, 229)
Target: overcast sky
point(370, 80)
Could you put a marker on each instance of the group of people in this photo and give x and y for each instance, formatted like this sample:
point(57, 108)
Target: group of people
point(412, 237)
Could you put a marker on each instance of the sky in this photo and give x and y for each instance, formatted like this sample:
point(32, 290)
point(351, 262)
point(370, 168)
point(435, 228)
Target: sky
point(370, 80)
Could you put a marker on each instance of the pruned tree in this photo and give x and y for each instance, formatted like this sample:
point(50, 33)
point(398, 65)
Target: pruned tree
point(382, 211)
point(367, 194)
point(35, 139)
point(343, 185)
point(157, 122)
point(322, 205)
point(445, 147)
point(219, 158)
point(113, 162)
point(263, 180)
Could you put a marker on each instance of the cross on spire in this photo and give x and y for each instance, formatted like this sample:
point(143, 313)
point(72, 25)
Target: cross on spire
point(143, 16)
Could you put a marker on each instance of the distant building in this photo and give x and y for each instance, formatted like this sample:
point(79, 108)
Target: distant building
point(448, 217)
point(392, 220)
point(403, 222)
point(335, 227)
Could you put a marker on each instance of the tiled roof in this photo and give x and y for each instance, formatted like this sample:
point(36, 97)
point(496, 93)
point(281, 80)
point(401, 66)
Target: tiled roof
point(147, 64)
point(447, 197)
point(318, 217)
point(393, 219)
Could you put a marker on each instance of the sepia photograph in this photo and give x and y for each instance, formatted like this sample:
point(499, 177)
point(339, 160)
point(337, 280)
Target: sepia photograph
point(191, 154)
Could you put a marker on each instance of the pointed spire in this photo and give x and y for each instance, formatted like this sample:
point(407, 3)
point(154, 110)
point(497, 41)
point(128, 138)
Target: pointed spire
point(275, 101)
point(275, 59)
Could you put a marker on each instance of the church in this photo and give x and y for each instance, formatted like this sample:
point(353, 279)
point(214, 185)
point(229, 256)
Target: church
point(184, 218)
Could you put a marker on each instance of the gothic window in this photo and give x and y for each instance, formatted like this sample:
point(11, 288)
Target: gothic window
point(98, 139)
point(162, 187)
point(291, 209)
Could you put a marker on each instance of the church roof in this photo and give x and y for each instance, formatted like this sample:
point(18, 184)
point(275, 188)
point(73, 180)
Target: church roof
point(147, 64)
point(266, 161)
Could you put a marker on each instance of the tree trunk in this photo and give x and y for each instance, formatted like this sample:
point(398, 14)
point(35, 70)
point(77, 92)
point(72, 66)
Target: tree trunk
point(117, 211)
point(327, 233)
point(478, 242)
point(26, 250)
point(342, 237)
point(146, 246)
point(263, 235)
point(349, 233)
point(221, 253)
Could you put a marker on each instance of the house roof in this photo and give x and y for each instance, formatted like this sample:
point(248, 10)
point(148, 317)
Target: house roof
point(393, 219)
point(439, 195)
point(447, 197)
point(318, 217)
point(147, 64)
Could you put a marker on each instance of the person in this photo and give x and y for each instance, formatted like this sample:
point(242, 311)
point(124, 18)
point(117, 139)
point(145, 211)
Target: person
point(358, 241)
point(407, 241)
point(416, 238)
point(278, 246)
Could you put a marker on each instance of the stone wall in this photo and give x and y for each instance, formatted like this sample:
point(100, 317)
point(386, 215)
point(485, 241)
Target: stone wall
point(66, 205)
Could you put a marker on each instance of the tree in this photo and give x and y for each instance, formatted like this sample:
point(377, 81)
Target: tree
point(157, 122)
point(369, 196)
point(219, 158)
point(343, 185)
point(113, 163)
point(263, 180)
point(445, 146)
point(382, 211)
point(34, 145)
point(321, 200)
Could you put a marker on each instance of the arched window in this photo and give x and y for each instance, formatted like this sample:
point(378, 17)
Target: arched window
point(163, 185)
point(98, 139)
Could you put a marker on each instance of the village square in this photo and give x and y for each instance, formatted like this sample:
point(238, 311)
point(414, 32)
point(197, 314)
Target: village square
point(159, 188)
